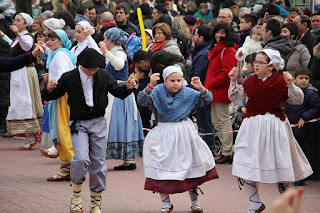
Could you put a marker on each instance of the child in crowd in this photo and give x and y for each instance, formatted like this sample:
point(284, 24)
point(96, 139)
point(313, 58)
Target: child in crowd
point(309, 109)
point(87, 87)
point(246, 73)
point(253, 43)
point(175, 158)
point(265, 149)
point(142, 80)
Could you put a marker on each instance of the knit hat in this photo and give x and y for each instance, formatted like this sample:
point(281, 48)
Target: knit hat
point(171, 69)
point(90, 58)
point(85, 24)
point(189, 19)
point(64, 38)
point(275, 58)
point(54, 24)
point(116, 35)
point(27, 18)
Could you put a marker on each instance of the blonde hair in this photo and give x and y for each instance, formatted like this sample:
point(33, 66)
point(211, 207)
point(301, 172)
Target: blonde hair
point(179, 23)
point(257, 27)
point(235, 10)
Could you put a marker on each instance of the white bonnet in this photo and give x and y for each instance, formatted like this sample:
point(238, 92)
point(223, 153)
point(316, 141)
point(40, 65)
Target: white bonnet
point(85, 24)
point(275, 58)
point(54, 24)
point(27, 18)
point(169, 70)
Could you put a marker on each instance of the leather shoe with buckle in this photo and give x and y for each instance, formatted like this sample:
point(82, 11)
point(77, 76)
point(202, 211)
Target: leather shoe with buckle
point(224, 159)
point(59, 178)
point(47, 153)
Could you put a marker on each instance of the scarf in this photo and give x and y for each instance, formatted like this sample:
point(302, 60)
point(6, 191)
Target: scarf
point(265, 96)
point(109, 23)
point(158, 45)
point(67, 52)
point(174, 109)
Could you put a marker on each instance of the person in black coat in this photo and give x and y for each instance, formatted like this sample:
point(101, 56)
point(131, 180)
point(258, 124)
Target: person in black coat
point(87, 87)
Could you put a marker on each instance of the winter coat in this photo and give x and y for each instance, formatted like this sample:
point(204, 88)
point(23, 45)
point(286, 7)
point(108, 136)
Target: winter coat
point(250, 46)
point(148, 23)
point(243, 37)
point(200, 63)
point(309, 109)
point(282, 44)
point(206, 17)
point(299, 58)
point(309, 40)
point(182, 42)
point(129, 28)
point(315, 71)
point(172, 47)
point(217, 79)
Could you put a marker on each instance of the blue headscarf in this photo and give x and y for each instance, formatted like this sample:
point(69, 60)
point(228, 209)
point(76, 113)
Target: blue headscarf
point(117, 36)
point(66, 44)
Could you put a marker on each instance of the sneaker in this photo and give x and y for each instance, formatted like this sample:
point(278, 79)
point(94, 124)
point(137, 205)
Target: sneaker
point(20, 136)
point(124, 166)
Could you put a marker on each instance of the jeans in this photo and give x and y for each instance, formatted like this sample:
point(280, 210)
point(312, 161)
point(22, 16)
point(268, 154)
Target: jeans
point(203, 115)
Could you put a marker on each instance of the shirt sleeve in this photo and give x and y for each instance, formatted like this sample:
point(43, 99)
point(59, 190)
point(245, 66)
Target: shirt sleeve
point(26, 42)
point(117, 59)
point(7, 39)
point(236, 92)
point(205, 98)
point(295, 95)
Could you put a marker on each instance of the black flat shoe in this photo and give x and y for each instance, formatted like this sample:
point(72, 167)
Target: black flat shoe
point(131, 166)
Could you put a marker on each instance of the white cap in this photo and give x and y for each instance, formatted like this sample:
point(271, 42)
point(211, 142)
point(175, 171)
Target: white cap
point(54, 24)
point(275, 58)
point(27, 18)
point(85, 24)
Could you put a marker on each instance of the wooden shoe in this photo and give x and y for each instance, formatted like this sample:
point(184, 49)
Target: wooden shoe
point(196, 209)
point(165, 210)
point(47, 153)
point(32, 144)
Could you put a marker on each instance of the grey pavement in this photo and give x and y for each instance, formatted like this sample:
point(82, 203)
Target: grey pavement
point(24, 188)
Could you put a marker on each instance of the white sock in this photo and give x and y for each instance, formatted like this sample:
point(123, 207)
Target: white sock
point(253, 195)
point(282, 187)
point(194, 198)
point(166, 204)
point(128, 161)
point(53, 150)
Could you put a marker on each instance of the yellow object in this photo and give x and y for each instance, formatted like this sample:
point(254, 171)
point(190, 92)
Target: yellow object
point(134, 77)
point(143, 32)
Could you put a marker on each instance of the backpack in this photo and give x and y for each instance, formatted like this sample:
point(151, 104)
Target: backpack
point(132, 45)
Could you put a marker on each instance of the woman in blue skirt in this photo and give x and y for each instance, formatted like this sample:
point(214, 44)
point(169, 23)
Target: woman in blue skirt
point(124, 126)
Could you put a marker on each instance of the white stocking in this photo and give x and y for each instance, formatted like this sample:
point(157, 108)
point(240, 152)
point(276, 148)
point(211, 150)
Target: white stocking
point(166, 204)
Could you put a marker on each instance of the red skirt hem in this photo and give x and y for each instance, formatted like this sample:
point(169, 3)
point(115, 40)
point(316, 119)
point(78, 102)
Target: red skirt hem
point(176, 186)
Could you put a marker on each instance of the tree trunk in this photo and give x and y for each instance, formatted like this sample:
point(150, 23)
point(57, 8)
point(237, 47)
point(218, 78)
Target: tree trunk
point(24, 6)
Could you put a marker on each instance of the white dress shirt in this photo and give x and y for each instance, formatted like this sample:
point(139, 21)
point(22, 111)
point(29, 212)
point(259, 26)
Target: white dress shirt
point(87, 86)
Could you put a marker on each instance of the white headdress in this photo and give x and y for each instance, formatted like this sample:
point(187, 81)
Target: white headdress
point(275, 58)
point(54, 24)
point(27, 18)
point(85, 24)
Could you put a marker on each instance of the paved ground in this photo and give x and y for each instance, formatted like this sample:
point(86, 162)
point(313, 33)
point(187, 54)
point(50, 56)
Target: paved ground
point(23, 188)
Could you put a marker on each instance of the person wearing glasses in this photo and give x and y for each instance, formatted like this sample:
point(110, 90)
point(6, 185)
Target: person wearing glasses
point(226, 15)
point(265, 149)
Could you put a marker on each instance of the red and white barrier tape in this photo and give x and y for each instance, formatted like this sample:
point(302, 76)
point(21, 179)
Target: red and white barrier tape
point(291, 125)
